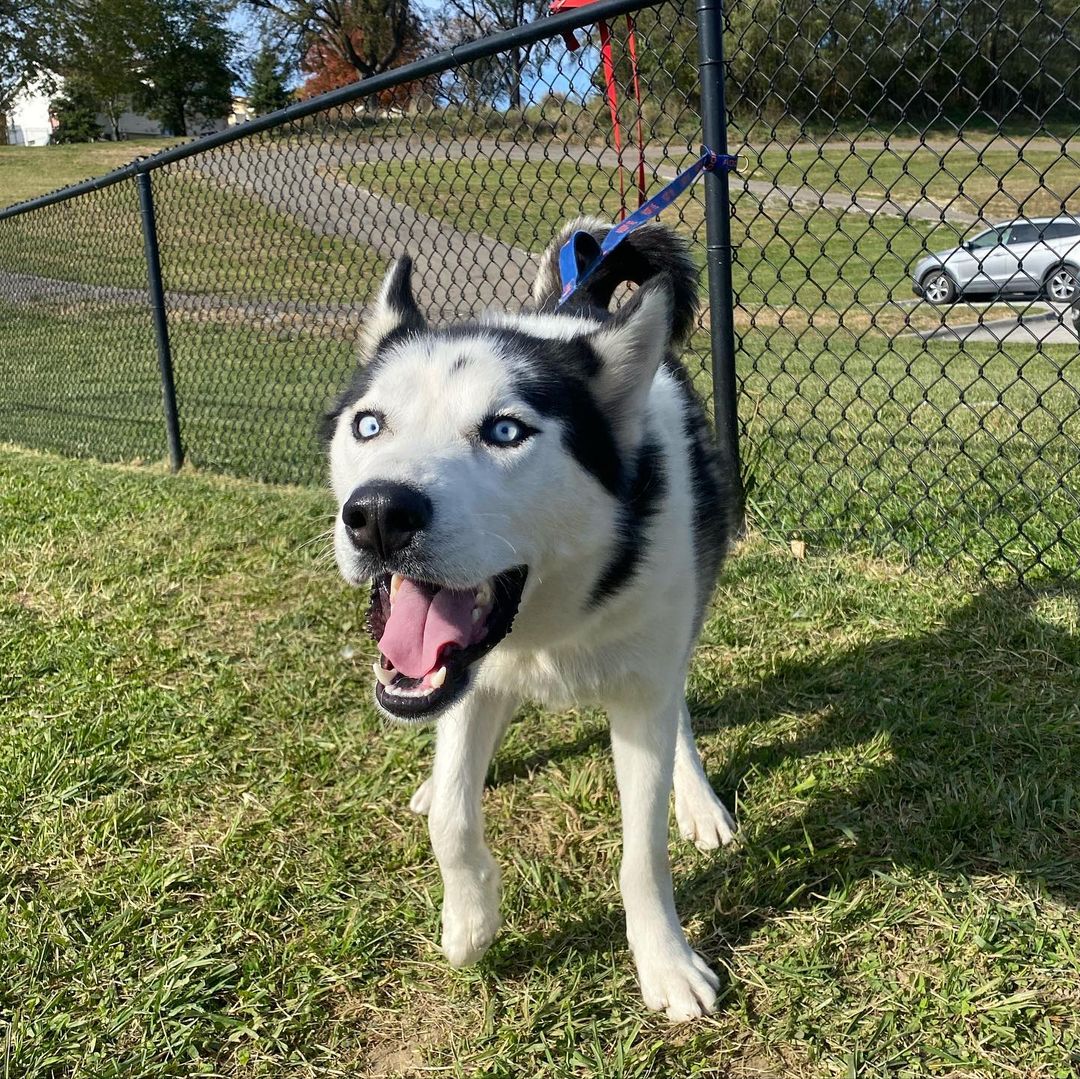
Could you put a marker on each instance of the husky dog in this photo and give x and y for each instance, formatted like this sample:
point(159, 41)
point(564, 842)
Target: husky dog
point(550, 473)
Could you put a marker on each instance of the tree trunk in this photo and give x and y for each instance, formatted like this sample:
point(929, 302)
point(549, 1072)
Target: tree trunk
point(176, 118)
point(516, 66)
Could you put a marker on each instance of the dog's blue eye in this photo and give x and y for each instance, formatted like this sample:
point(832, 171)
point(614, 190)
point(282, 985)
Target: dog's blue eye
point(367, 424)
point(505, 431)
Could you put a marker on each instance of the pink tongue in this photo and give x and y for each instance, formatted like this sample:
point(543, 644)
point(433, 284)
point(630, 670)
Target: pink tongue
point(420, 625)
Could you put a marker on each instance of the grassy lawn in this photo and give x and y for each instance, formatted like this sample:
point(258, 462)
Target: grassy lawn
point(206, 866)
point(803, 256)
point(213, 239)
point(1002, 178)
point(853, 435)
point(28, 171)
point(951, 452)
point(250, 398)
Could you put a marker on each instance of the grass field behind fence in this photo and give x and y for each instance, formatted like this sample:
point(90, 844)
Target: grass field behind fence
point(855, 427)
point(207, 868)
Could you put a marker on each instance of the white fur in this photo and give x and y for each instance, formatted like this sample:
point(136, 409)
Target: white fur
point(536, 505)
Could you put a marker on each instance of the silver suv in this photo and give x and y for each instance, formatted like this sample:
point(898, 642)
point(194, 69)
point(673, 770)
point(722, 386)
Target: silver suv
point(1037, 256)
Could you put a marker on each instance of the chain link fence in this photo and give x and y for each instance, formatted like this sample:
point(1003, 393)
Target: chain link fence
point(271, 245)
point(873, 140)
point(909, 374)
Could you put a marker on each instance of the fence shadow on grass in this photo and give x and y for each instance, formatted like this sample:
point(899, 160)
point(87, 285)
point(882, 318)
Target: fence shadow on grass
point(978, 726)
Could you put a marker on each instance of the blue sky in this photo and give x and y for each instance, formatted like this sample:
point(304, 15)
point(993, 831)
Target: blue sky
point(573, 75)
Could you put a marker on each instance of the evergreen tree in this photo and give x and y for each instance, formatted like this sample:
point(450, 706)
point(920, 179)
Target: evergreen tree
point(267, 92)
point(75, 112)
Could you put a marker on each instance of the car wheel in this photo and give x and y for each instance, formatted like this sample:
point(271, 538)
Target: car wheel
point(1061, 284)
point(939, 287)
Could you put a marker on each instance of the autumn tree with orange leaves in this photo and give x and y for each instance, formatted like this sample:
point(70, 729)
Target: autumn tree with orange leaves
point(328, 67)
point(346, 39)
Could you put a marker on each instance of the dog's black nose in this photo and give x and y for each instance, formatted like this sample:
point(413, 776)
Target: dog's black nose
point(384, 517)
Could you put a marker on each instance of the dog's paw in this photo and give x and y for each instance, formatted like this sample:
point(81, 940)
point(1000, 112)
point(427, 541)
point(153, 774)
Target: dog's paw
point(470, 918)
point(702, 817)
point(420, 802)
point(677, 981)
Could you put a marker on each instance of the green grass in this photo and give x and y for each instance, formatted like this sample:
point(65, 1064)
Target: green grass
point(84, 380)
point(213, 240)
point(947, 452)
point(999, 179)
point(207, 869)
point(808, 257)
point(29, 171)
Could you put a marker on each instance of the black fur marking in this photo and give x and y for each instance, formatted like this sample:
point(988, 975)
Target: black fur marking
point(553, 378)
point(458, 365)
point(398, 295)
point(711, 487)
point(548, 381)
point(647, 490)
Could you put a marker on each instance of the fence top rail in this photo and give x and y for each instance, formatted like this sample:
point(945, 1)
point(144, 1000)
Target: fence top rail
point(458, 56)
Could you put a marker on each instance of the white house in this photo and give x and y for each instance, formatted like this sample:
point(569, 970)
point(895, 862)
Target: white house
point(29, 123)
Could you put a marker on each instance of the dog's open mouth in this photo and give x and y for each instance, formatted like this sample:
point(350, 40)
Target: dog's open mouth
point(429, 636)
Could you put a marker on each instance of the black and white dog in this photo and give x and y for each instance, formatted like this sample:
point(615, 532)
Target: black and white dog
point(550, 472)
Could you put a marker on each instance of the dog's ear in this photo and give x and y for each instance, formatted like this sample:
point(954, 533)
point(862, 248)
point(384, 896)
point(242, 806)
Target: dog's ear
point(395, 309)
point(630, 348)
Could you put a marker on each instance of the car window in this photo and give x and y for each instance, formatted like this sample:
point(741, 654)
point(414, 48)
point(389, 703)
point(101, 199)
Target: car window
point(987, 239)
point(1024, 234)
point(1060, 230)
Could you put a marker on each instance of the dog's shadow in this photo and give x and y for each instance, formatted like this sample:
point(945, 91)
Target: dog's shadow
point(951, 752)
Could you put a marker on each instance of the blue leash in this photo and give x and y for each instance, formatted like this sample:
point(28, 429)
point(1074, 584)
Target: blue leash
point(581, 256)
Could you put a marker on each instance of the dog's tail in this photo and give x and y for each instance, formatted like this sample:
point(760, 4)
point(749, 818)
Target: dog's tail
point(651, 250)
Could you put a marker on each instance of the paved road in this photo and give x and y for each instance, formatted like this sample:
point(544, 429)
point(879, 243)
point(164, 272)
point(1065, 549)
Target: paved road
point(275, 314)
point(307, 180)
point(454, 271)
point(457, 272)
point(1044, 327)
point(658, 168)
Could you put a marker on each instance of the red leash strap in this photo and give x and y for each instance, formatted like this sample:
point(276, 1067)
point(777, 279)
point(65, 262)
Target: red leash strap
point(612, 91)
point(631, 40)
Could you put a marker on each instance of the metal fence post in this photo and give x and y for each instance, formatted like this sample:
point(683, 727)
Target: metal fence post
point(710, 15)
point(161, 326)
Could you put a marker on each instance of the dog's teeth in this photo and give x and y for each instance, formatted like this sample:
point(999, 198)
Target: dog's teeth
point(438, 678)
point(395, 584)
point(483, 594)
point(476, 612)
point(386, 677)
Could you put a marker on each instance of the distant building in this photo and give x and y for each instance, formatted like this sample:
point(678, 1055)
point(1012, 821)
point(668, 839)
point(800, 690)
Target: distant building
point(29, 122)
point(241, 111)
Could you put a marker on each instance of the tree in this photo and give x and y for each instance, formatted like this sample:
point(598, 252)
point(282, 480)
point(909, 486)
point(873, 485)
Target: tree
point(369, 36)
point(31, 32)
point(75, 113)
point(267, 92)
point(182, 49)
point(476, 85)
point(101, 54)
point(327, 70)
point(470, 19)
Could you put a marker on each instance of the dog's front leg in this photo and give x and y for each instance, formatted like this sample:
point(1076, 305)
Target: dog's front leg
point(672, 976)
point(464, 743)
